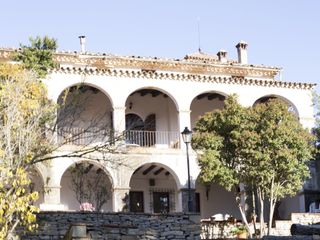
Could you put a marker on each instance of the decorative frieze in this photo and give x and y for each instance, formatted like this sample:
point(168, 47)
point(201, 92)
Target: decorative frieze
point(238, 80)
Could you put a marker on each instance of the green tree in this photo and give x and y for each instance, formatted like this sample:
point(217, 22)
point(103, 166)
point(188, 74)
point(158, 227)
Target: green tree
point(28, 127)
point(264, 148)
point(24, 112)
point(38, 56)
point(218, 137)
point(316, 129)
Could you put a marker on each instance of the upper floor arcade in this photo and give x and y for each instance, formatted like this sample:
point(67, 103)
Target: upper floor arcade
point(149, 115)
point(154, 99)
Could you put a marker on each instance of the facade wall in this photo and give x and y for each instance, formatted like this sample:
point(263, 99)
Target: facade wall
point(182, 99)
point(217, 200)
point(175, 108)
point(291, 204)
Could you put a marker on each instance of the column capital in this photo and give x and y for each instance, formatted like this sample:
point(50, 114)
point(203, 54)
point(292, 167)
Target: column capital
point(187, 111)
point(121, 189)
point(119, 108)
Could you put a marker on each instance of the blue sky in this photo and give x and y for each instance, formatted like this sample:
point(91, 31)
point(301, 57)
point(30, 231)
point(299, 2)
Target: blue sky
point(282, 33)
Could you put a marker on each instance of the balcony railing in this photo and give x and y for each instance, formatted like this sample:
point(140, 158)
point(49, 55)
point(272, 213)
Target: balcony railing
point(157, 139)
point(83, 137)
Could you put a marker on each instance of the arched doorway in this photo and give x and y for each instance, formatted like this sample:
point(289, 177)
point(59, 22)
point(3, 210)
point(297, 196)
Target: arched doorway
point(84, 116)
point(86, 182)
point(153, 189)
point(205, 102)
point(152, 119)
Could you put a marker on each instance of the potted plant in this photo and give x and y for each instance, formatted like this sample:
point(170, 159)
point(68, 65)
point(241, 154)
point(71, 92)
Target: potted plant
point(240, 231)
point(87, 207)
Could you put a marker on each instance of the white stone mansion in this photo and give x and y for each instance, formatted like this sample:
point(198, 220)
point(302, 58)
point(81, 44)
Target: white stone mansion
point(153, 100)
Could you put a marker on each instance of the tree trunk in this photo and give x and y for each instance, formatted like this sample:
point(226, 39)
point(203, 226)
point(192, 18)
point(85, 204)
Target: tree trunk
point(261, 211)
point(254, 214)
point(272, 204)
point(242, 212)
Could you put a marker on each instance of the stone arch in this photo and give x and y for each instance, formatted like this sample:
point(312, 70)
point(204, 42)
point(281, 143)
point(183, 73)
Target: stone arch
point(160, 164)
point(98, 164)
point(97, 175)
point(291, 105)
point(152, 88)
point(207, 94)
point(206, 102)
point(86, 84)
point(40, 169)
point(146, 102)
point(37, 184)
point(85, 115)
point(154, 188)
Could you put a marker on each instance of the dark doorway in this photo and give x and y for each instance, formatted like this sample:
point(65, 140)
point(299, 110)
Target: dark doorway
point(136, 202)
point(134, 122)
point(161, 202)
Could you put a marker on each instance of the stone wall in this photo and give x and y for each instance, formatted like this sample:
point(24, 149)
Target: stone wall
point(305, 218)
point(117, 226)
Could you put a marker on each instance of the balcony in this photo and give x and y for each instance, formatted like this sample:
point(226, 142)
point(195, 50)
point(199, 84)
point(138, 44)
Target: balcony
point(157, 139)
point(136, 138)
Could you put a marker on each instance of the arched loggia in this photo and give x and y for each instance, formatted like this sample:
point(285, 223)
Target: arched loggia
point(152, 119)
point(86, 182)
point(153, 189)
point(291, 107)
point(84, 115)
point(205, 102)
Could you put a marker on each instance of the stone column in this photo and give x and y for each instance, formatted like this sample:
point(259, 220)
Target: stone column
point(52, 199)
point(119, 119)
point(184, 121)
point(120, 200)
point(119, 122)
point(52, 188)
point(307, 122)
point(179, 207)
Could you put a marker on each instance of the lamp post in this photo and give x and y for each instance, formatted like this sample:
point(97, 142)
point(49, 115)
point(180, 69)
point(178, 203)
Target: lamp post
point(186, 136)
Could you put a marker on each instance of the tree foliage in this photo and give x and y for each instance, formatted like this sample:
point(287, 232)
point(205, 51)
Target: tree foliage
point(316, 129)
point(38, 56)
point(24, 112)
point(263, 147)
point(28, 133)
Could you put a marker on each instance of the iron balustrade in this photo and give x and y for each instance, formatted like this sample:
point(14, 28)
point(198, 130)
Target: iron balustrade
point(82, 136)
point(157, 139)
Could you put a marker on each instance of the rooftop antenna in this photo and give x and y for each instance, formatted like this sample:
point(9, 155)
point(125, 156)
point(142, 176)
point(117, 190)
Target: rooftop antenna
point(199, 40)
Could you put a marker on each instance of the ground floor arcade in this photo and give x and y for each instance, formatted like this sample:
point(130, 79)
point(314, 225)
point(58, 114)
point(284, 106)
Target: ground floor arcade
point(142, 182)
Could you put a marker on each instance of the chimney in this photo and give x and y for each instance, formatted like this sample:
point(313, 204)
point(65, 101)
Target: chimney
point(222, 55)
point(82, 44)
point(242, 52)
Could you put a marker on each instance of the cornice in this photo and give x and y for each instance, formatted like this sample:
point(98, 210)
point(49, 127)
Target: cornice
point(175, 65)
point(186, 65)
point(161, 68)
point(238, 80)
